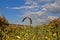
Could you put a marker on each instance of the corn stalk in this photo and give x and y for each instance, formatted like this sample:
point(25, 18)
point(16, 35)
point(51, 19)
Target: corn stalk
point(29, 19)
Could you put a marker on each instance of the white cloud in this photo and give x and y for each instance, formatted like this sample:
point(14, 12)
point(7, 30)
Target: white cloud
point(23, 7)
point(32, 13)
point(31, 2)
point(51, 8)
point(43, 15)
point(37, 1)
point(52, 17)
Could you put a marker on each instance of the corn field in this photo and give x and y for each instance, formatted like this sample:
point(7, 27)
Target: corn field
point(50, 31)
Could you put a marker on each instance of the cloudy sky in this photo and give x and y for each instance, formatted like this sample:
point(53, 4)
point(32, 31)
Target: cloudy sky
point(41, 11)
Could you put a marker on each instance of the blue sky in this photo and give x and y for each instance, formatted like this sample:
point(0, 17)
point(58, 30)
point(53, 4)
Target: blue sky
point(41, 11)
point(9, 13)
